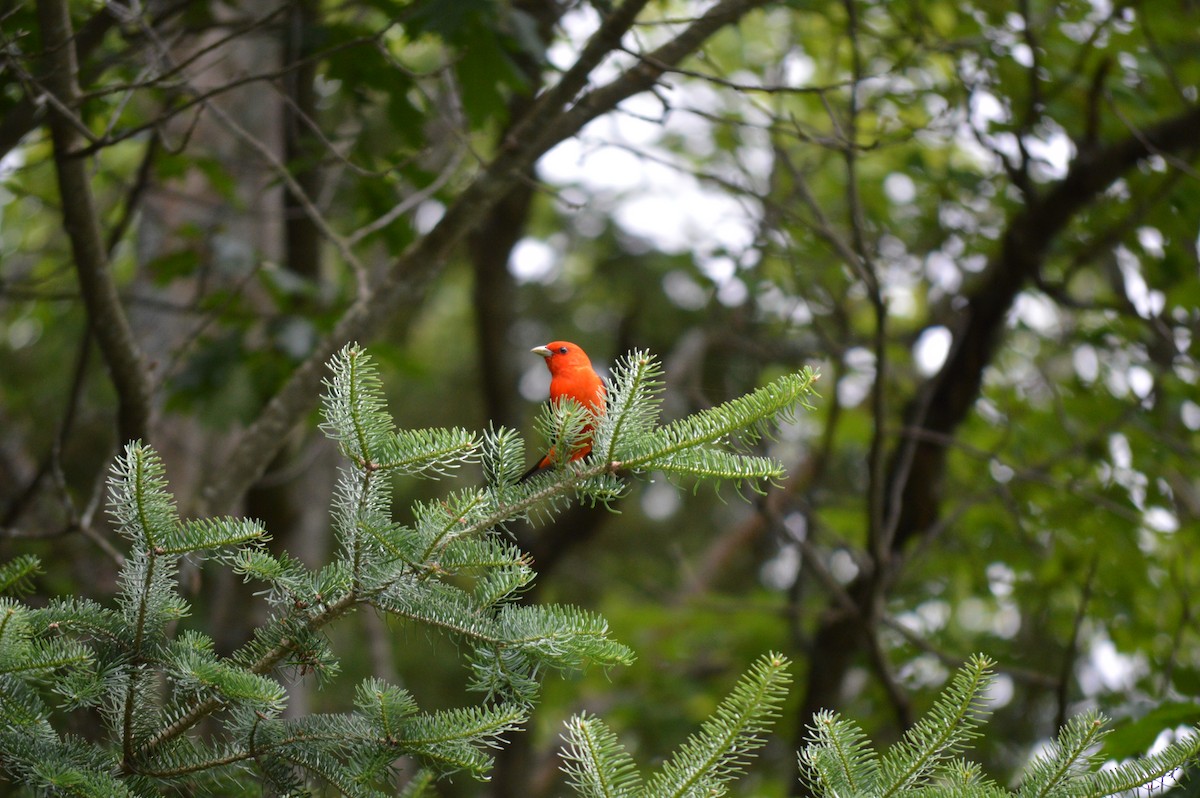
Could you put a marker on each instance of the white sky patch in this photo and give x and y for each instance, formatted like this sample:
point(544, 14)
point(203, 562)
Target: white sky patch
point(900, 188)
point(1000, 472)
point(1051, 152)
point(798, 68)
point(984, 109)
point(1116, 383)
point(652, 200)
point(533, 261)
point(13, 160)
point(928, 617)
point(660, 500)
point(638, 121)
point(1160, 519)
point(1190, 415)
point(1141, 381)
point(921, 672)
point(577, 25)
point(683, 291)
point(756, 161)
point(1001, 579)
point(718, 269)
point(1146, 301)
point(942, 272)
point(534, 384)
point(1000, 617)
point(428, 214)
point(773, 301)
point(901, 301)
point(694, 129)
point(1054, 152)
point(604, 168)
point(1151, 240)
point(1022, 55)
point(780, 571)
point(1120, 451)
point(855, 386)
point(732, 293)
point(1086, 362)
point(931, 349)
point(1000, 691)
point(842, 566)
point(661, 218)
point(1036, 312)
point(1107, 669)
point(686, 217)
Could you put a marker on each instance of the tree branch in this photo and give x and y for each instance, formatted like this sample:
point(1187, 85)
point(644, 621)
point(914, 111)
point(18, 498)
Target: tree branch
point(106, 316)
point(1023, 248)
point(25, 114)
point(917, 464)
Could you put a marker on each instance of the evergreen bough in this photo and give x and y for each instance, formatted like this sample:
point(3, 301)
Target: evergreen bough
point(839, 762)
point(452, 569)
point(151, 679)
point(597, 765)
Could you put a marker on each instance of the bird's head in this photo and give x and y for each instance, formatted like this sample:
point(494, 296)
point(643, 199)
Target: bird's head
point(562, 355)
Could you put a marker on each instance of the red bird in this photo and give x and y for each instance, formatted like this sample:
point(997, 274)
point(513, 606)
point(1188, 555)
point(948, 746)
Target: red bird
point(571, 374)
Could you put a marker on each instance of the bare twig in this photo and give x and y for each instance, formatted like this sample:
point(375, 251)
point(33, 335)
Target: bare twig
point(1067, 668)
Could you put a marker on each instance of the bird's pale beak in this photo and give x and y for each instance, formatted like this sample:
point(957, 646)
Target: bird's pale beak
point(544, 351)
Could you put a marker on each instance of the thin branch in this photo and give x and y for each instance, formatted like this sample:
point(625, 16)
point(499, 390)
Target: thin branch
point(742, 87)
point(879, 532)
point(301, 196)
point(1062, 690)
point(106, 316)
point(199, 98)
point(25, 114)
point(133, 197)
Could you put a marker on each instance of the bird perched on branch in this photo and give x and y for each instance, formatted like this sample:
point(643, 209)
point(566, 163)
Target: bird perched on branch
point(571, 375)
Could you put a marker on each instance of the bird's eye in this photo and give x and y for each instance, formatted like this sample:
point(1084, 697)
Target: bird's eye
point(562, 350)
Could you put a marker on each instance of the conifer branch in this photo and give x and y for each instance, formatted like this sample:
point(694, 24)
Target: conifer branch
point(263, 665)
point(16, 575)
point(944, 731)
point(720, 751)
point(837, 760)
point(595, 762)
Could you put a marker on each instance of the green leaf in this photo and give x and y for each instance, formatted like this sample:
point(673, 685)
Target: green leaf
point(1136, 738)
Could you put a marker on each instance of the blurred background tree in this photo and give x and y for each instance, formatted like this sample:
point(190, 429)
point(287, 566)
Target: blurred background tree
point(979, 220)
